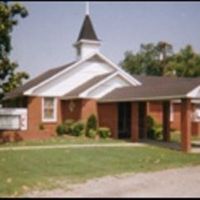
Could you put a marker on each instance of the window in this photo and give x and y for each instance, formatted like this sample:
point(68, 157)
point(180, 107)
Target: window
point(49, 109)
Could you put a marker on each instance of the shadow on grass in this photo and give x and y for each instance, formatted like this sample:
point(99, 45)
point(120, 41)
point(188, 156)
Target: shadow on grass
point(159, 143)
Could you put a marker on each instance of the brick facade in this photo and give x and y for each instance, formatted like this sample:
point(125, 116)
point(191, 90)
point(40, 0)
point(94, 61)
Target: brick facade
point(81, 111)
point(74, 114)
point(106, 113)
point(108, 116)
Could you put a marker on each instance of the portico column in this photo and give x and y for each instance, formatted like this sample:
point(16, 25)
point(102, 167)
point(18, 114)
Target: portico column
point(134, 121)
point(185, 125)
point(166, 120)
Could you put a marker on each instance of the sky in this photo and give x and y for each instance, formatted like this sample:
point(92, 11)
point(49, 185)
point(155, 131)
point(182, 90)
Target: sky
point(45, 38)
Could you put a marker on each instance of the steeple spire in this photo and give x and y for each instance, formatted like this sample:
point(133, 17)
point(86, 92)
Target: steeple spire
point(87, 41)
point(87, 31)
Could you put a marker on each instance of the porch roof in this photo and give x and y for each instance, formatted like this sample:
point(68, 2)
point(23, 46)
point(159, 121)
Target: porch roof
point(153, 89)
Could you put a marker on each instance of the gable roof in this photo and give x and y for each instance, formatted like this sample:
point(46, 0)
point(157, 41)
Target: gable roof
point(49, 73)
point(154, 90)
point(75, 93)
point(127, 76)
point(87, 31)
point(54, 73)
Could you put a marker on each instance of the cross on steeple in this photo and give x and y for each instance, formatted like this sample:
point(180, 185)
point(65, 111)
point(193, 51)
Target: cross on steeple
point(87, 8)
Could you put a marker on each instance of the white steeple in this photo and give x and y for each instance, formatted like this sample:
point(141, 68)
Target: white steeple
point(87, 41)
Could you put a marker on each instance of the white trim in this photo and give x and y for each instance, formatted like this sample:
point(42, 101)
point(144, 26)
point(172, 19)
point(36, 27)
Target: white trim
point(82, 41)
point(54, 119)
point(122, 72)
point(84, 93)
point(194, 92)
point(29, 91)
point(128, 77)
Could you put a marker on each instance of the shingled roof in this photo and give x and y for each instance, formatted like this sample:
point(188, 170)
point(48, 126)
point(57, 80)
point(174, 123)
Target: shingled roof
point(156, 88)
point(87, 31)
point(35, 81)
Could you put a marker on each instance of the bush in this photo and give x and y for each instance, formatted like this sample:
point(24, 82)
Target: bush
point(77, 128)
point(60, 129)
point(92, 133)
point(91, 126)
point(154, 130)
point(68, 126)
point(104, 132)
point(92, 122)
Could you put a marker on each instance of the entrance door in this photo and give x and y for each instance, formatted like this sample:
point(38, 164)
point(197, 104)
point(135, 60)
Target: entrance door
point(124, 120)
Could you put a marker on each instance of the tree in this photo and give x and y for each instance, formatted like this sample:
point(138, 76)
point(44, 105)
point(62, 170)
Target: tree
point(185, 63)
point(160, 60)
point(150, 60)
point(9, 78)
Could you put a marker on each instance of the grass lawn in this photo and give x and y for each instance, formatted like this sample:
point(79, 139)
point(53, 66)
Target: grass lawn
point(21, 171)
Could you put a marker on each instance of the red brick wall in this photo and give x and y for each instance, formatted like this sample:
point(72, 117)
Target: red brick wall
point(88, 107)
point(155, 110)
point(75, 114)
point(108, 116)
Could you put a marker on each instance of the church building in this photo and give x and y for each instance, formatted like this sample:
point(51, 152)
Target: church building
point(93, 84)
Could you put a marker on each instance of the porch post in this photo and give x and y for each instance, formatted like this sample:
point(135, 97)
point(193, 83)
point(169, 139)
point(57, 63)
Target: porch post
point(143, 120)
point(185, 125)
point(166, 121)
point(134, 121)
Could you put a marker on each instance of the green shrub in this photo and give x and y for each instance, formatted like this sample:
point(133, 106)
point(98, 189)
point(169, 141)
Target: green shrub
point(91, 126)
point(68, 126)
point(60, 129)
point(104, 132)
point(154, 130)
point(77, 128)
point(91, 122)
point(150, 122)
point(92, 133)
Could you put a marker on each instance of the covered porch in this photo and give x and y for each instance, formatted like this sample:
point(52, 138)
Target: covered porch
point(140, 97)
point(141, 112)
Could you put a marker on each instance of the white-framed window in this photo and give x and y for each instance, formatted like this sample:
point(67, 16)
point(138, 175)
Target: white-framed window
point(49, 109)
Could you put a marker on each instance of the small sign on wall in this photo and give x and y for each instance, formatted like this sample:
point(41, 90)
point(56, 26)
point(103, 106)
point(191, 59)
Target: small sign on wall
point(13, 119)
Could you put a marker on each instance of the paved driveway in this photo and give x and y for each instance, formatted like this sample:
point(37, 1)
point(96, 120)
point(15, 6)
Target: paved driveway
point(183, 182)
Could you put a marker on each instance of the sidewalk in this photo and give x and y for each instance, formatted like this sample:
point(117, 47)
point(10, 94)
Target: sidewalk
point(70, 146)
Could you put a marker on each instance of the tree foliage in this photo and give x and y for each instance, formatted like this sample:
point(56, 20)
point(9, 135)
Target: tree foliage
point(9, 77)
point(160, 60)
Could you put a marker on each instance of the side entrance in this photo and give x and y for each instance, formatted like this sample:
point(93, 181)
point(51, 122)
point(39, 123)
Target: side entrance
point(124, 120)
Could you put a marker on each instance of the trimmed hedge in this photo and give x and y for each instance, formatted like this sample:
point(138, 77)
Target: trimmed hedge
point(77, 129)
point(60, 129)
point(104, 132)
point(92, 133)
